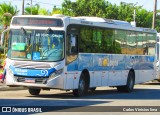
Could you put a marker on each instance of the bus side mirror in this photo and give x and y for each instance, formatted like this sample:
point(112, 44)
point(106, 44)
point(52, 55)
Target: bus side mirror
point(2, 44)
point(2, 40)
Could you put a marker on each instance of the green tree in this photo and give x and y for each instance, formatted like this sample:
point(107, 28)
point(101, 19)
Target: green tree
point(7, 11)
point(126, 10)
point(84, 8)
point(144, 18)
point(111, 11)
point(43, 11)
point(35, 9)
point(56, 10)
point(158, 21)
point(67, 8)
point(103, 8)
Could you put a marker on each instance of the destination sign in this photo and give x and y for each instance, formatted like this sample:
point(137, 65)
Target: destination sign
point(36, 21)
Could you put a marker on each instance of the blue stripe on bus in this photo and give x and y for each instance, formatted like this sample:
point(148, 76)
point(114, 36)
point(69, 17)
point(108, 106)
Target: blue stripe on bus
point(32, 72)
point(102, 62)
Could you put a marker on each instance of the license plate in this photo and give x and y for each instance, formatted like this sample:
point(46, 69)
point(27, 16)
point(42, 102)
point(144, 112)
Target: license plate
point(29, 80)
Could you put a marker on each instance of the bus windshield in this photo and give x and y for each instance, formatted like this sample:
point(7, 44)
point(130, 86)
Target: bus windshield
point(36, 45)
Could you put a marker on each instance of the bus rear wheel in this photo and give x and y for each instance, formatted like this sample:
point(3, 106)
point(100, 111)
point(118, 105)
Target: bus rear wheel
point(34, 91)
point(130, 84)
point(82, 87)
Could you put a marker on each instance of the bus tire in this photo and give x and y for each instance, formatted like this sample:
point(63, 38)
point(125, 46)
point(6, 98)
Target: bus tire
point(93, 88)
point(130, 84)
point(82, 87)
point(33, 91)
point(158, 80)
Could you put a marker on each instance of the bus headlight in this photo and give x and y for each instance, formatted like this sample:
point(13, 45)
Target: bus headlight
point(56, 73)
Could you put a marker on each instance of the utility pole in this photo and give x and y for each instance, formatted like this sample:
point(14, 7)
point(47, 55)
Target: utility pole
point(154, 14)
point(23, 7)
point(133, 23)
point(31, 7)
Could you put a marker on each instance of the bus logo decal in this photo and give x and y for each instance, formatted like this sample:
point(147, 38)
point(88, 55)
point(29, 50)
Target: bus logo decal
point(105, 62)
point(43, 73)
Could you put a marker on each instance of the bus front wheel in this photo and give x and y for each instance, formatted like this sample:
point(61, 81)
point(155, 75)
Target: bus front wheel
point(82, 87)
point(33, 91)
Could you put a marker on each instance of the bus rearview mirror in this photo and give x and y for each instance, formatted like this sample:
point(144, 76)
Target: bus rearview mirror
point(3, 37)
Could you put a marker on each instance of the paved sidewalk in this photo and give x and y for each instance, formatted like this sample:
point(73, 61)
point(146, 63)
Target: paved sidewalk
point(4, 87)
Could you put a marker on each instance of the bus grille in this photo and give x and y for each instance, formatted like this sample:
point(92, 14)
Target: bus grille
point(37, 80)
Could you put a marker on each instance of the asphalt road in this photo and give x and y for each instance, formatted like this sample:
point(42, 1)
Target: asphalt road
point(102, 100)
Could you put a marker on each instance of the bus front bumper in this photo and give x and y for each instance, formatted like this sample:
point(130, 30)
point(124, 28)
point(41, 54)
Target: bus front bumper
point(54, 83)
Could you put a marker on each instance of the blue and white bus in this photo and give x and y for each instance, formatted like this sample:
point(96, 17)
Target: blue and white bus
point(158, 56)
point(78, 53)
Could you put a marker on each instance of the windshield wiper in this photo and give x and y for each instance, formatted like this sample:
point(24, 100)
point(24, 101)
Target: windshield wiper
point(26, 36)
point(23, 31)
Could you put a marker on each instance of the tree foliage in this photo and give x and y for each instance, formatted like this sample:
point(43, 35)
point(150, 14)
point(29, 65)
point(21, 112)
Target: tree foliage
point(7, 11)
point(84, 8)
point(103, 8)
point(144, 18)
point(56, 11)
point(158, 21)
point(34, 10)
point(43, 11)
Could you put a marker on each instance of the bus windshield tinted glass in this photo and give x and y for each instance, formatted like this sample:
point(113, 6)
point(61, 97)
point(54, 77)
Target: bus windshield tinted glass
point(37, 45)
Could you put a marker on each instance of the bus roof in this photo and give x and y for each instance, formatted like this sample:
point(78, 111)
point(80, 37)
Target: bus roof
point(110, 23)
point(103, 20)
point(95, 21)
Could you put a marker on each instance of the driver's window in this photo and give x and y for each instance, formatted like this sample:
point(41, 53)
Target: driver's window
point(72, 47)
point(73, 44)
